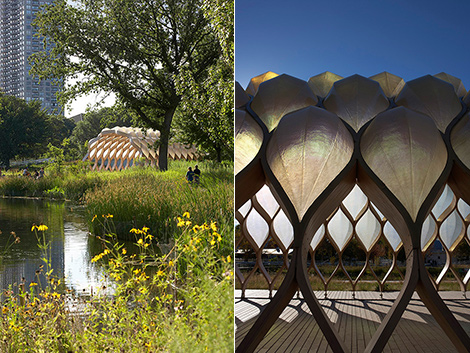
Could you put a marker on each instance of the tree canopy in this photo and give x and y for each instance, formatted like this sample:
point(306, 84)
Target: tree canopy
point(206, 114)
point(25, 129)
point(93, 122)
point(135, 48)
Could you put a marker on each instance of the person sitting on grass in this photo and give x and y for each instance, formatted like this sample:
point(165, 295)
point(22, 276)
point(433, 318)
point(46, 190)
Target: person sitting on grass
point(189, 175)
point(41, 173)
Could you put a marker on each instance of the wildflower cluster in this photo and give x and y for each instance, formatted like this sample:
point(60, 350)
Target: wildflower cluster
point(41, 227)
point(183, 291)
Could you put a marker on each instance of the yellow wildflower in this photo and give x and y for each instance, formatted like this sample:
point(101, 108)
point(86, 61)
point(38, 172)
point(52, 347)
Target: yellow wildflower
point(42, 228)
point(140, 241)
point(160, 273)
point(229, 258)
point(124, 251)
point(149, 236)
point(136, 271)
point(212, 242)
point(187, 223)
point(180, 222)
point(109, 215)
point(196, 228)
point(32, 284)
point(94, 217)
point(214, 226)
point(186, 214)
point(171, 263)
point(145, 229)
point(33, 227)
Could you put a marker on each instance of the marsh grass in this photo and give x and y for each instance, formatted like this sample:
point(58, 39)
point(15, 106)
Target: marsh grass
point(181, 300)
point(143, 198)
point(140, 196)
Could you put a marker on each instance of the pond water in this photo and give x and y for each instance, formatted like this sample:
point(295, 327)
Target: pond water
point(72, 248)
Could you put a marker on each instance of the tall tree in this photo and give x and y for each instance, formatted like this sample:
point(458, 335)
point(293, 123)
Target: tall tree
point(24, 129)
point(135, 48)
point(206, 115)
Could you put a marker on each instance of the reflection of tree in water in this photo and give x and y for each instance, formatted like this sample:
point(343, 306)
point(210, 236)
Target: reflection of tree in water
point(24, 259)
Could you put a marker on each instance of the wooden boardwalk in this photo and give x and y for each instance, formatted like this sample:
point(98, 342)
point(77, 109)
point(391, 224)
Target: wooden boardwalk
point(356, 320)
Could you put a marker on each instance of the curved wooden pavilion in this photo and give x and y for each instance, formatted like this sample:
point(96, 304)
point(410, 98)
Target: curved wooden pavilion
point(341, 159)
point(120, 147)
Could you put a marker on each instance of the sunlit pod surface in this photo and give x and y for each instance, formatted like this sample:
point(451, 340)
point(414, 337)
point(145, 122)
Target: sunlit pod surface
point(392, 236)
point(252, 88)
point(391, 84)
point(307, 151)
point(280, 96)
point(464, 209)
point(460, 140)
point(248, 139)
point(445, 204)
point(283, 230)
point(406, 151)
point(368, 230)
point(241, 97)
point(318, 237)
point(119, 148)
point(428, 233)
point(454, 81)
point(432, 97)
point(257, 227)
point(356, 100)
point(340, 229)
point(355, 202)
point(452, 230)
point(267, 201)
point(321, 84)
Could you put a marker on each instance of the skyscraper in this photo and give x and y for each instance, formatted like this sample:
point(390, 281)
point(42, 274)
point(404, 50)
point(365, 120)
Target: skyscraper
point(17, 43)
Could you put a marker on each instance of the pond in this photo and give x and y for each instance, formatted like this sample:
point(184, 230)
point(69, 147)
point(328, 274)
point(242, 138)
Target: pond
point(72, 247)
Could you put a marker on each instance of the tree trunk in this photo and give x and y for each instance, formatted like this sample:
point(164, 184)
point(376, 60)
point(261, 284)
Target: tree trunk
point(164, 139)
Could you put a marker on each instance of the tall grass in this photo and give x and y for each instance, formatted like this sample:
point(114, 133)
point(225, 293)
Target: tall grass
point(140, 196)
point(146, 198)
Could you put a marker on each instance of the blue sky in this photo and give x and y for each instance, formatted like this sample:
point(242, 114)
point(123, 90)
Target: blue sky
point(305, 38)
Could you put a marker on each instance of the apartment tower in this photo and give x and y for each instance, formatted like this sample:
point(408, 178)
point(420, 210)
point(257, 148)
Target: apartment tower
point(17, 43)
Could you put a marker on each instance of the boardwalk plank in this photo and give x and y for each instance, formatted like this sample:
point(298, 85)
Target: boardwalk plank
point(356, 319)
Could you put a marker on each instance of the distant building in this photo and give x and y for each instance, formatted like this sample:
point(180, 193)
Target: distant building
point(17, 43)
point(77, 118)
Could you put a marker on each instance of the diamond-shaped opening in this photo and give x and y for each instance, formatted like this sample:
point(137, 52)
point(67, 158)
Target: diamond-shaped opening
point(267, 201)
point(445, 204)
point(354, 259)
point(340, 229)
point(435, 259)
point(326, 259)
point(461, 260)
point(245, 258)
point(275, 262)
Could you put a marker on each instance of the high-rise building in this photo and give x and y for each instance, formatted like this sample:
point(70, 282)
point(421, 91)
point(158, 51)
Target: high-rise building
point(17, 43)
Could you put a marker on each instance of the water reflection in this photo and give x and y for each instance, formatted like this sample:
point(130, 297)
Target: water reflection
point(71, 247)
